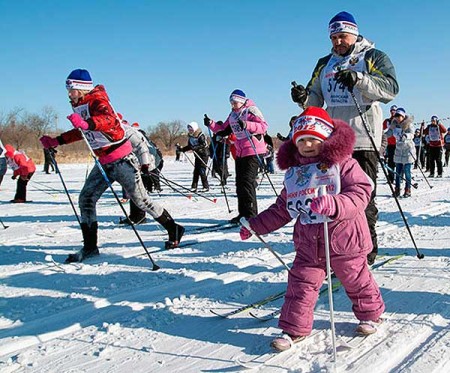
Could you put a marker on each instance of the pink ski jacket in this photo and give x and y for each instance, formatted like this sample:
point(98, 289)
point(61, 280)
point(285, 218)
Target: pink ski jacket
point(256, 127)
point(348, 232)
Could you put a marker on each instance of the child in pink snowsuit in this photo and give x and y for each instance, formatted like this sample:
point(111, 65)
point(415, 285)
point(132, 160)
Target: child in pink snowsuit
point(320, 154)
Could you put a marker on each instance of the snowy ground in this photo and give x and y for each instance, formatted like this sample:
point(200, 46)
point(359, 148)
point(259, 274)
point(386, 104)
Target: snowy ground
point(113, 314)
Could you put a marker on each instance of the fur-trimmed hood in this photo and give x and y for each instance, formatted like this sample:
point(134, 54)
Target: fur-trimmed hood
point(335, 149)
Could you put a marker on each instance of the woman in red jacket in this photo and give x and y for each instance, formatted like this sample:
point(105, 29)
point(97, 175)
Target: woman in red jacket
point(23, 169)
point(95, 118)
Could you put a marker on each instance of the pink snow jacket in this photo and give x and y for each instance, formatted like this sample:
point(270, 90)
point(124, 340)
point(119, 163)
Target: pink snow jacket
point(348, 232)
point(256, 128)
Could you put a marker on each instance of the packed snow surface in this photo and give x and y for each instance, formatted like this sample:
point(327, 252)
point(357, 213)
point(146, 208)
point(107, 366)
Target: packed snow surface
point(114, 314)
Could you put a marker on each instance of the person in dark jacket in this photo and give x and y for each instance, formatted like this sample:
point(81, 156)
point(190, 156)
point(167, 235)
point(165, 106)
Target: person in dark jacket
point(219, 151)
point(48, 153)
point(199, 146)
point(435, 131)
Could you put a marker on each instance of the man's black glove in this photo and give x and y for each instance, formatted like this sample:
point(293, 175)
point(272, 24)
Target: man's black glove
point(242, 124)
point(299, 94)
point(206, 121)
point(281, 137)
point(145, 170)
point(347, 78)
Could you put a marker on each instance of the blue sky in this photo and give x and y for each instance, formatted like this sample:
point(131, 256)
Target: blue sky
point(178, 59)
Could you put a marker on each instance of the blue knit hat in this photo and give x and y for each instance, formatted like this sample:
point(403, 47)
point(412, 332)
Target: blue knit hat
point(434, 117)
point(238, 96)
point(400, 111)
point(79, 79)
point(343, 22)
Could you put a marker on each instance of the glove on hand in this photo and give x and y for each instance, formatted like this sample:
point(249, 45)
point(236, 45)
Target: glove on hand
point(14, 177)
point(347, 77)
point(299, 94)
point(49, 142)
point(144, 169)
point(324, 205)
point(206, 121)
point(242, 124)
point(77, 121)
point(245, 233)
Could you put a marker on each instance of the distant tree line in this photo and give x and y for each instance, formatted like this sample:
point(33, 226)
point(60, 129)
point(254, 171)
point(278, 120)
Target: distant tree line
point(22, 129)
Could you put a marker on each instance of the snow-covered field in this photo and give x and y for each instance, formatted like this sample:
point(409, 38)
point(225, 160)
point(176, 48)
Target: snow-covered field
point(114, 314)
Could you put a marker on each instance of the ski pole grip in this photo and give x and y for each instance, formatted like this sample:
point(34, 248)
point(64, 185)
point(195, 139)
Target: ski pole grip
point(322, 191)
point(294, 83)
point(244, 222)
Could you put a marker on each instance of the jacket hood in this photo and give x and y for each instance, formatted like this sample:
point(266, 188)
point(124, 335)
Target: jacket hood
point(335, 149)
point(193, 125)
point(9, 150)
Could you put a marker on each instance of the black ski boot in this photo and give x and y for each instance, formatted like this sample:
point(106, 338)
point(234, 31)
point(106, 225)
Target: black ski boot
point(90, 248)
point(396, 192)
point(175, 230)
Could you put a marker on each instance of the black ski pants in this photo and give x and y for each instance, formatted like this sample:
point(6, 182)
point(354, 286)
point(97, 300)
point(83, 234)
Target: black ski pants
point(368, 161)
point(435, 153)
point(246, 173)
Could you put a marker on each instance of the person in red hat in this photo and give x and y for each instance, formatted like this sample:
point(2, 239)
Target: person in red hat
point(320, 154)
point(23, 169)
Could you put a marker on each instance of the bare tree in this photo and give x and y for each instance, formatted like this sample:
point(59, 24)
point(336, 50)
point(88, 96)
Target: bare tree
point(41, 124)
point(167, 134)
point(13, 129)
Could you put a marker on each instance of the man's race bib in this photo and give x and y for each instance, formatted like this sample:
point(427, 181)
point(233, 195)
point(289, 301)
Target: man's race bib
point(336, 94)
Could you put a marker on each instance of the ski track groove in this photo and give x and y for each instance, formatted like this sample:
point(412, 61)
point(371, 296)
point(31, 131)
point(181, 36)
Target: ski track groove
point(112, 300)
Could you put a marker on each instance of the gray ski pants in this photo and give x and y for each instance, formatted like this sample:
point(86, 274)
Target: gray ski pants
point(126, 172)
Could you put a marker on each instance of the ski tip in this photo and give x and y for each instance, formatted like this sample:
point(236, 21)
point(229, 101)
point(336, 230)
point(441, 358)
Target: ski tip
point(189, 196)
point(215, 200)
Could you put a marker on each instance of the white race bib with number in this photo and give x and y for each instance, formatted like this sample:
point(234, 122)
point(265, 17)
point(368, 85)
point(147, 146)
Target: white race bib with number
point(302, 184)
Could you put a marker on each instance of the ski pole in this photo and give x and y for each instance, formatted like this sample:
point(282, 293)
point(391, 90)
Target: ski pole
point(260, 161)
point(57, 170)
point(213, 200)
point(166, 182)
point(414, 185)
point(244, 222)
point(45, 186)
point(208, 169)
point(419, 158)
point(222, 177)
point(372, 141)
point(105, 176)
point(420, 168)
point(4, 226)
point(214, 147)
point(322, 192)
